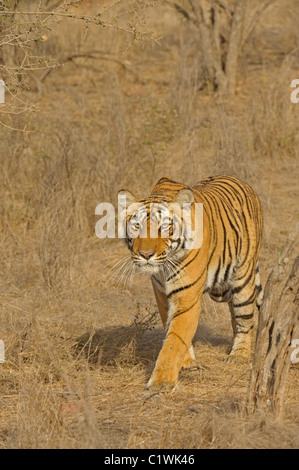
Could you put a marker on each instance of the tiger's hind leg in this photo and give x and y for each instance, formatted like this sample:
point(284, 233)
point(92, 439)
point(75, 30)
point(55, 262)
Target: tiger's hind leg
point(242, 305)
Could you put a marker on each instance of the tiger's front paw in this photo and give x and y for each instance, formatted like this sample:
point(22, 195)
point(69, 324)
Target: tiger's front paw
point(161, 379)
point(189, 360)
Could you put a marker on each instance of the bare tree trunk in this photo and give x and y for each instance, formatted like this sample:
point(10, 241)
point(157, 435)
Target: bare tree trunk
point(213, 66)
point(278, 317)
point(234, 45)
point(210, 44)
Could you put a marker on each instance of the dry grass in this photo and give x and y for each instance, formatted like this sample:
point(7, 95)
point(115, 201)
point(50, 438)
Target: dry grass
point(97, 131)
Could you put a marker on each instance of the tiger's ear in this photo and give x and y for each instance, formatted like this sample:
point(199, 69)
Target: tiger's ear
point(125, 198)
point(184, 196)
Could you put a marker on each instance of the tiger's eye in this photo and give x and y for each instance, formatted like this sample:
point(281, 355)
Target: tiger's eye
point(165, 226)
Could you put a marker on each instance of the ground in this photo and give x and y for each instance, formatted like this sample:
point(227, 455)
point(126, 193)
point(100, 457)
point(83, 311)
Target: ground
point(106, 125)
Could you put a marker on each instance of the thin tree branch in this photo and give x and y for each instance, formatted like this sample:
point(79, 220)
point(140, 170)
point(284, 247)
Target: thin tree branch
point(253, 18)
point(94, 54)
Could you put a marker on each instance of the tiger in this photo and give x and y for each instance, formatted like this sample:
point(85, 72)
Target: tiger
point(224, 265)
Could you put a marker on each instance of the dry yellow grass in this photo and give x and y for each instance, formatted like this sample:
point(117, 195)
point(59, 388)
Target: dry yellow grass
point(96, 132)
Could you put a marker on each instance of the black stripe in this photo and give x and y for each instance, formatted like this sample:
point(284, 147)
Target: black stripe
point(247, 302)
point(182, 267)
point(247, 331)
point(245, 274)
point(216, 274)
point(235, 191)
point(248, 242)
point(248, 195)
point(244, 317)
point(226, 193)
point(243, 187)
point(232, 225)
point(211, 219)
point(175, 291)
point(222, 294)
point(227, 272)
point(180, 312)
point(226, 201)
point(164, 179)
point(219, 216)
point(187, 309)
point(239, 288)
point(158, 282)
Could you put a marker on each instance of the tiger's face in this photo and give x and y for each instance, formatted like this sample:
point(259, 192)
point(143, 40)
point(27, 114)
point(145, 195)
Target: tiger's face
point(154, 229)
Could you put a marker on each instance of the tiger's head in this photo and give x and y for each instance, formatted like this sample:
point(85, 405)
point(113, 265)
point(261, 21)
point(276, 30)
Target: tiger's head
point(155, 229)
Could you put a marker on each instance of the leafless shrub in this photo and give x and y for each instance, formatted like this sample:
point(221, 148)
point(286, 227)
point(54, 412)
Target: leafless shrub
point(25, 25)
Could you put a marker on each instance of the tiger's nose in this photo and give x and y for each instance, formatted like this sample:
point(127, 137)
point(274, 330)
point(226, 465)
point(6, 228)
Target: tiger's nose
point(146, 254)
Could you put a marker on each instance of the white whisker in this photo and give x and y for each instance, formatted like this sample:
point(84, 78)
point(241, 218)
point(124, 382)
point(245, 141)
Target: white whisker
point(117, 268)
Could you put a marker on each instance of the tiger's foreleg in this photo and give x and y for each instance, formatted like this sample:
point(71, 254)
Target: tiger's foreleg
point(177, 351)
point(163, 306)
